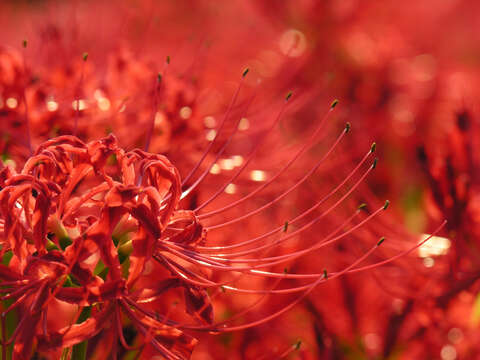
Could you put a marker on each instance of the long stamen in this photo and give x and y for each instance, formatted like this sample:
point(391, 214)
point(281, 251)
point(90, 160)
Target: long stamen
point(285, 308)
point(198, 259)
point(404, 253)
point(294, 255)
point(205, 282)
point(77, 94)
point(253, 305)
point(250, 157)
point(296, 301)
point(158, 87)
point(332, 275)
point(173, 268)
point(24, 98)
point(284, 275)
point(306, 226)
point(306, 145)
point(299, 217)
point(151, 128)
point(285, 193)
point(219, 130)
point(219, 153)
point(291, 349)
point(162, 349)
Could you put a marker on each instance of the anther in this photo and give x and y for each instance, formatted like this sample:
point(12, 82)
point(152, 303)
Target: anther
point(297, 345)
point(387, 202)
point(362, 206)
point(347, 127)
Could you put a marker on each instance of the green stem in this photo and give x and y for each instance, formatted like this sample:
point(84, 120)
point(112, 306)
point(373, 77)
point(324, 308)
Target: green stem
point(79, 351)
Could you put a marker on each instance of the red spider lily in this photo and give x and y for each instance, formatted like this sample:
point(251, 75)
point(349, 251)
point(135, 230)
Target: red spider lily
point(452, 176)
point(79, 228)
point(76, 185)
point(453, 183)
point(184, 255)
point(94, 216)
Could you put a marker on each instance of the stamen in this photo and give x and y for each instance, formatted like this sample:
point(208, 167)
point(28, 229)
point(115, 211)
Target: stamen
point(77, 93)
point(299, 217)
point(158, 87)
point(246, 162)
point(219, 153)
point(24, 98)
point(274, 315)
point(156, 92)
point(289, 350)
point(219, 130)
point(198, 259)
point(305, 146)
point(282, 195)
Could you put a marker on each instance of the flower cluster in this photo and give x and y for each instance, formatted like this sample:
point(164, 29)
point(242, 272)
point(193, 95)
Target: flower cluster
point(104, 248)
point(80, 223)
point(99, 233)
point(38, 103)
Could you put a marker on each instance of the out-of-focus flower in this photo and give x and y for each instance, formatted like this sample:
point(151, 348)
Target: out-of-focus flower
point(453, 187)
point(78, 99)
point(453, 177)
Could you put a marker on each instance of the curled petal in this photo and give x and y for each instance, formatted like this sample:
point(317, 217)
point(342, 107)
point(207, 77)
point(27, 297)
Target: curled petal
point(77, 333)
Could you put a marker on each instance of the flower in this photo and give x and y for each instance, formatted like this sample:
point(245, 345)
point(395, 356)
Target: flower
point(59, 217)
point(83, 223)
point(114, 294)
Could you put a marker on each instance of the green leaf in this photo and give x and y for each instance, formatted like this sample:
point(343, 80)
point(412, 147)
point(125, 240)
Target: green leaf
point(7, 257)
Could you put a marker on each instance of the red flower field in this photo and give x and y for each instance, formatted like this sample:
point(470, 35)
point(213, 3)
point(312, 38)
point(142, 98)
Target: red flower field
point(209, 180)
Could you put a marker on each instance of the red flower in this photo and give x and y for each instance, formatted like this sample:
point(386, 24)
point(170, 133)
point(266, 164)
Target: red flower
point(59, 216)
point(83, 221)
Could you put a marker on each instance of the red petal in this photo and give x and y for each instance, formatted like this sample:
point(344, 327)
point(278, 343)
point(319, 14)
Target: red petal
point(77, 333)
